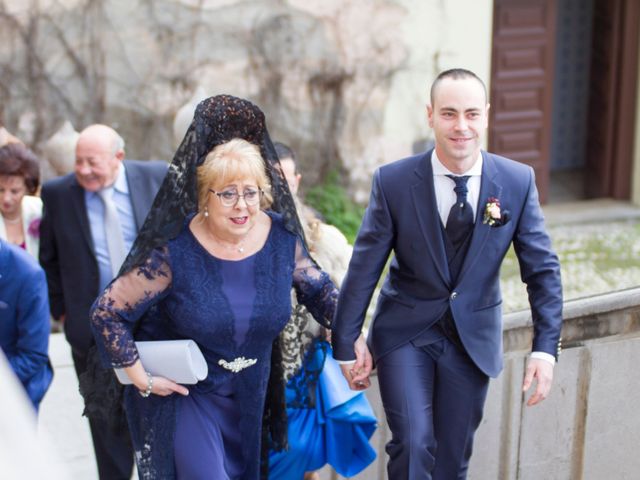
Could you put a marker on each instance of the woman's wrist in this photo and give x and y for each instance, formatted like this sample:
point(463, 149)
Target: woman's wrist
point(146, 391)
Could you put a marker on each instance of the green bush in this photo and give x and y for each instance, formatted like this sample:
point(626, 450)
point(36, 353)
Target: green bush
point(332, 201)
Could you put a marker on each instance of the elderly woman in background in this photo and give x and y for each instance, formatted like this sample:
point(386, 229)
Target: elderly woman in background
point(222, 279)
point(20, 212)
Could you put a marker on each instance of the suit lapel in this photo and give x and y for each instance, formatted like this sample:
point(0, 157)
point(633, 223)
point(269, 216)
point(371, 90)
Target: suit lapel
point(488, 188)
point(135, 184)
point(424, 202)
point(80, 209)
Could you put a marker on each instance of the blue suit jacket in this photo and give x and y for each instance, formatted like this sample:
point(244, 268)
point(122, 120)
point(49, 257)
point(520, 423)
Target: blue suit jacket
point(24, 319)
point(66, 245)
point(402, 217)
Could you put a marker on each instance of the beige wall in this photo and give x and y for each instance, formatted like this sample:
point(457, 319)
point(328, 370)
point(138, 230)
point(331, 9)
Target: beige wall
point(438, 37)
point(297, 59)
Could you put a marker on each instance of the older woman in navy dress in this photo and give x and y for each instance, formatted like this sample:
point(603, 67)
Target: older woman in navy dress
point(223, 281)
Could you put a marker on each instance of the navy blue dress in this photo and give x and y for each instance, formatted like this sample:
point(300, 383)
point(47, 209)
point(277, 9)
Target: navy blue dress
point(231, 309)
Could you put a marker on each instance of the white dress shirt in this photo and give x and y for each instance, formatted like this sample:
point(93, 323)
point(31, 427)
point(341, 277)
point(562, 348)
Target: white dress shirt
point(445, 196)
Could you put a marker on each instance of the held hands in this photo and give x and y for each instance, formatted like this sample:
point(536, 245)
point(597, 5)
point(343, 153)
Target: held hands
point(542, 371)
point(357, 374)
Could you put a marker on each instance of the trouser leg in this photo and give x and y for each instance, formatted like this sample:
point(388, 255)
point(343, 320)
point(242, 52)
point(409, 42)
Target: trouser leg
point(406, 377)
point(433, 398)
point(460, 393)
point(113, 451)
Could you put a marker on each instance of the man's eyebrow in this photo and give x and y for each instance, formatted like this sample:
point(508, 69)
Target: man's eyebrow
point(453, 109)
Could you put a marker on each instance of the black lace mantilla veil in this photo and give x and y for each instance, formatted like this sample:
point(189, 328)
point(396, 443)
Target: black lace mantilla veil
point(216, 120)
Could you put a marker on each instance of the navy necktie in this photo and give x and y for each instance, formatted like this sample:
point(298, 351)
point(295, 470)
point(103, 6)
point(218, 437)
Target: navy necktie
point(460, 220)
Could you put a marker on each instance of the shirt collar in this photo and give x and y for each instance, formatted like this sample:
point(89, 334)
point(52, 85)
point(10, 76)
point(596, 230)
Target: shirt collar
point(440, 169)
point(120, 185)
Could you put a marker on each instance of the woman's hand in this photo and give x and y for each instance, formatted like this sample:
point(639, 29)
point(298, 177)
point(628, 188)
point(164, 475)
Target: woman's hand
point(357, 373)
point(164, 387)
point(159, 385)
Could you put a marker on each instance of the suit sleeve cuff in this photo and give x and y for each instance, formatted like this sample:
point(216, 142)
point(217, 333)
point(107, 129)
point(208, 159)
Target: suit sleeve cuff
point(544, 356)
point(345, 362)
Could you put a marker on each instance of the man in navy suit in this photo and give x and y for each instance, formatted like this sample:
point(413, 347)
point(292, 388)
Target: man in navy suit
point(76, 252)
point(449, 215)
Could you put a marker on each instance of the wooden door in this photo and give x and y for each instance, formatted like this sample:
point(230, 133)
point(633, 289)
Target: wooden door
point(522, 71)
point(612, 98)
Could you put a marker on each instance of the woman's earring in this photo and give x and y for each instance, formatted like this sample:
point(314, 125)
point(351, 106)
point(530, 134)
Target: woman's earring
point(206, 212)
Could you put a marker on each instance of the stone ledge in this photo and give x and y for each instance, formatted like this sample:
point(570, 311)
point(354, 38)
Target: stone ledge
point(612, 314)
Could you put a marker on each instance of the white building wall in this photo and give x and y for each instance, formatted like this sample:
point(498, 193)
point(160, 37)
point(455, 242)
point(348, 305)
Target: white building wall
point(439, 35)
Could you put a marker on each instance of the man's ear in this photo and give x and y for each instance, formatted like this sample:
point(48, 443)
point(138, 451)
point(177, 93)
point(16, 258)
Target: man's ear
point(429, 115)
point(120, 154)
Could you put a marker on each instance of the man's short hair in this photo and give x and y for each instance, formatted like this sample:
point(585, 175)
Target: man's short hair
point(118, 143)
point(284, 151)
point(456, 74)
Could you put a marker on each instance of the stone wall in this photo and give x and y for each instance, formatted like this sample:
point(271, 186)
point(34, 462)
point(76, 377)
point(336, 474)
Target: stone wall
point(589, 427)
point(344, 83)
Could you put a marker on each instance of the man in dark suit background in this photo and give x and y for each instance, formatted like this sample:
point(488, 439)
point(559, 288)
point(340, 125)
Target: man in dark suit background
point(449, 215)
point(89, 222)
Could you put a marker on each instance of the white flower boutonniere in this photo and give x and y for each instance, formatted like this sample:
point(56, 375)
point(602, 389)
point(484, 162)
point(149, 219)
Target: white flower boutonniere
point(493, 215)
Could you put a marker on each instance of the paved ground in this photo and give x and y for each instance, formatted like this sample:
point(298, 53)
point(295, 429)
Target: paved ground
point(60, 414)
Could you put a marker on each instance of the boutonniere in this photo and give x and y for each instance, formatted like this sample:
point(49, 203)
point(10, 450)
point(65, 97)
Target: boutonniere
point(493, 215)
point(34, 228)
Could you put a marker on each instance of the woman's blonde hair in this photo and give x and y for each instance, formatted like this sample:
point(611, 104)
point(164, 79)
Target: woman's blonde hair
point(234, 160)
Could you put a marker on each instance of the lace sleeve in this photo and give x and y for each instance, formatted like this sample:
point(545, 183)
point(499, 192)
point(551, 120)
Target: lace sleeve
point(123, 302)
point(314, 288)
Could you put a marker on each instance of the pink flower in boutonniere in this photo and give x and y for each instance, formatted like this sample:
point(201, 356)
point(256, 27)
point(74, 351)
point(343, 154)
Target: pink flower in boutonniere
point(493, 215)
point(34, 228)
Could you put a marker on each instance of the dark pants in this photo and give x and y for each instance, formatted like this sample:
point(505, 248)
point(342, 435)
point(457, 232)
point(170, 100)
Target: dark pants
point(433, 396)
point(114, 452)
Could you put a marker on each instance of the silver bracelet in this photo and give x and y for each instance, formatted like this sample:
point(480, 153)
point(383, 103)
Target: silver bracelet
point(147, 392)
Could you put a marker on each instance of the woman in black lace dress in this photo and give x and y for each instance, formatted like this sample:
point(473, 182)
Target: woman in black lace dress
point(214, 265)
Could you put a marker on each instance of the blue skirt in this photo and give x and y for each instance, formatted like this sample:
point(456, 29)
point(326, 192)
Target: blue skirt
point(336, 431)
point(207, 441)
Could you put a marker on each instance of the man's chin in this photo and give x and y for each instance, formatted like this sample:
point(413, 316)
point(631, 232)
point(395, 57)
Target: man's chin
point(89, 186)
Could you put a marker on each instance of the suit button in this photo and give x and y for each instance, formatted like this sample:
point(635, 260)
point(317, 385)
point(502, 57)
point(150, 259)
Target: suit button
point(453, 295)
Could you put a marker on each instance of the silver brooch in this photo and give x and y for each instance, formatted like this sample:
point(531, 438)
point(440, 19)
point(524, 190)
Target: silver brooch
point(237, 364)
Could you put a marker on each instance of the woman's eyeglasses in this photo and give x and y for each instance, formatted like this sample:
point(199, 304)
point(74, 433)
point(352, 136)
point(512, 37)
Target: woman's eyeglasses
point(229, 198)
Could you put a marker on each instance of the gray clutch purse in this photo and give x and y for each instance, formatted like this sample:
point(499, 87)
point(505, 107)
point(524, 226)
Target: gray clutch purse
point(178, 360)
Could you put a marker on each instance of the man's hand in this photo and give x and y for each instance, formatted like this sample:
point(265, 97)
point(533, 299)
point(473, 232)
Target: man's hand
point(357, 374)
point(542, 371)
